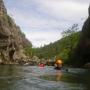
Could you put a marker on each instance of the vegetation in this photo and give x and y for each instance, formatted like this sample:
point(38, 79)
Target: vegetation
point(28, 50)
point(62, 48)
point(69, 48)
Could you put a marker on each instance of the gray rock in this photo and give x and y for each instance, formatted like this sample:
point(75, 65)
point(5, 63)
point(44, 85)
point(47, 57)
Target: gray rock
point(12, 40)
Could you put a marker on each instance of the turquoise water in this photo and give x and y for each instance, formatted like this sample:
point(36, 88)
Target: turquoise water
point(36, 78)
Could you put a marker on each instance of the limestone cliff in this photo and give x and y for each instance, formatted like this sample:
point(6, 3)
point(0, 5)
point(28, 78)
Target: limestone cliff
point(82, 52)
point(12, 40)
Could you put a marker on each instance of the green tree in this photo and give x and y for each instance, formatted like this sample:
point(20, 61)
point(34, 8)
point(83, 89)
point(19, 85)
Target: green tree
point(73, 29)
point(28, 50)
point(61, 48)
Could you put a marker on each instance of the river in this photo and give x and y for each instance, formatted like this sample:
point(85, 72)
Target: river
point(15, 77)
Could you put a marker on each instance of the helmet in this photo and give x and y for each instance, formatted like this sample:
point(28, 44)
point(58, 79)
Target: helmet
point(59, 62)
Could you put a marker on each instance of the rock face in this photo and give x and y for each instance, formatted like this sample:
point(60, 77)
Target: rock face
point(82, 53)
point(12, 40)
point(2, 8)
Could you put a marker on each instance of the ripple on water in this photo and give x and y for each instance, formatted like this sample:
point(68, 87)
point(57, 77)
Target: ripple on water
point(36, 78)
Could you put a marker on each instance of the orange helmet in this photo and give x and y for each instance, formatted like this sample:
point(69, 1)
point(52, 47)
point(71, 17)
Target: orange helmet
point(59, 61)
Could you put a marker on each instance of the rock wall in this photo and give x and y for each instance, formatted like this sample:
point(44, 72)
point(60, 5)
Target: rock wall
point(81, 55)
point(12, 40)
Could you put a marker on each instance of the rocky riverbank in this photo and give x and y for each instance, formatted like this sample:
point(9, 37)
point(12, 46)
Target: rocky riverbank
point(12, 39)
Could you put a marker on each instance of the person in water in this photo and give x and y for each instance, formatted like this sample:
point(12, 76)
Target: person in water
point(58, 64)
point(41, 64)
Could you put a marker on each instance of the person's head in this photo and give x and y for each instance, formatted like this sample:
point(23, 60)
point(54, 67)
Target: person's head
point(59, 62)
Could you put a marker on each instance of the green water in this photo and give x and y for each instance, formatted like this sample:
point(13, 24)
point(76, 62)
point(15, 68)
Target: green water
point(36, 78)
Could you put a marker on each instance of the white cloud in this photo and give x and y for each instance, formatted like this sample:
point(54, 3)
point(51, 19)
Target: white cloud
point(40, 20)
point(43, 37)
point(63, 8)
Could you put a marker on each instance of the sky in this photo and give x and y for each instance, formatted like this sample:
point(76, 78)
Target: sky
point(42, 21)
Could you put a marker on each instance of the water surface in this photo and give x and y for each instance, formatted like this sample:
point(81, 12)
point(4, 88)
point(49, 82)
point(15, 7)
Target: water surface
point(36, 78)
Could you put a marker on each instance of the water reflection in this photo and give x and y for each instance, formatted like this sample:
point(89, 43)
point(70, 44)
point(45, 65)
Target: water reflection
point(9, 70)
point(61, 76)
point(9, 76)
point(58, 75)
point(35, 78)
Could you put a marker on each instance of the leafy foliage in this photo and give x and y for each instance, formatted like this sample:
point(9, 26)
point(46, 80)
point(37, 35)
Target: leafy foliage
point(73, 29)
point(28, 50)
point(62, 48)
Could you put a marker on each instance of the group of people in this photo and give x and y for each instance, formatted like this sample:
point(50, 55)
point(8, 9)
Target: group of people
point(58, 64)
